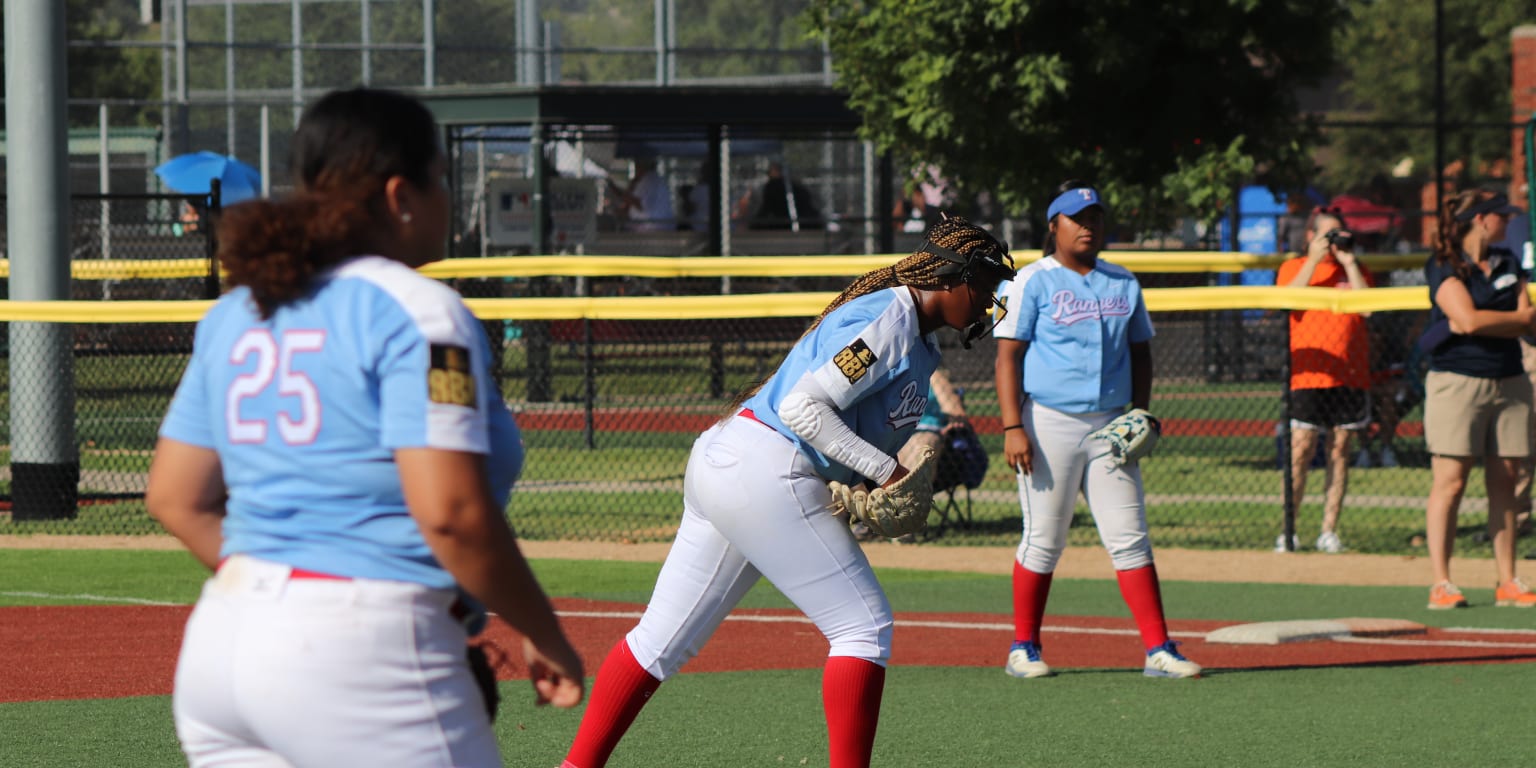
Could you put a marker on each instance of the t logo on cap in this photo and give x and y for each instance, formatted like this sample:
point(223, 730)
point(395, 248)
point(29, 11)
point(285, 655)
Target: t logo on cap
point(1073, 201)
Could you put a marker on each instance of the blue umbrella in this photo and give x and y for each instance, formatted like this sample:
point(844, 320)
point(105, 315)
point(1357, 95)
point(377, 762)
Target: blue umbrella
point(190, 174)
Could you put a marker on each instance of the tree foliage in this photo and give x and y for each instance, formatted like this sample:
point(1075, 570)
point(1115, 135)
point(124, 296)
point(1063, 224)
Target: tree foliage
point(1164, 105)
point(1388, 49)
point(104, 72)
point(715, 38)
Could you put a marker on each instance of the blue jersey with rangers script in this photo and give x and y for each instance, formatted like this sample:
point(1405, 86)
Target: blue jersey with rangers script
point(871, 358)
point(1080, 328)
point(305, 410)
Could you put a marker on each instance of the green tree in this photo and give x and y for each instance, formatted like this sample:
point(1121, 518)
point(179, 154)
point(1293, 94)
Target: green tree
point(107, 72)
point(739, 38)
point(100, 72)
point(1166, 106)
point(1388, 49)
point(716, 38)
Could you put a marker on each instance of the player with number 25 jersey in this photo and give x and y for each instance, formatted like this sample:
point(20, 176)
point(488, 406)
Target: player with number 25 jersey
point(338, 455)
point(378, 358)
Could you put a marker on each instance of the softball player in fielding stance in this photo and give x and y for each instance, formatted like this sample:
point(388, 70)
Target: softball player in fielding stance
point(756, 500)
point(1072, 352)
point(340, 455)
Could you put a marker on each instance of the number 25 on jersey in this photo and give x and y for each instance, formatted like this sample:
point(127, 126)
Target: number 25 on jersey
point(274, 361)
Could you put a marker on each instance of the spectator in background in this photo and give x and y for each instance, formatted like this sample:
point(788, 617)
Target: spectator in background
point(1396, 383)
point(1477, 405)
point(784, 203)
point(1519, 233)
point(1371, 215)
point(912, 213)
point(189, 221)
point(1330, 369)
point(1291, 228)
point(646, 204)
point(697, 200)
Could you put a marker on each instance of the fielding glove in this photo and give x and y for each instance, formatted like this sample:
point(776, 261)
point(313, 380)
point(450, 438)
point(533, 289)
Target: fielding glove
point(903, 506)
point(1131, 436)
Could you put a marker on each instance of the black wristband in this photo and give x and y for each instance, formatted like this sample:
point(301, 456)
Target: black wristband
point(1015, 426)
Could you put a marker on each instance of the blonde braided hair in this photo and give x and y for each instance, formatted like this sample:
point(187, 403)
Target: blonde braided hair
point(920, 270)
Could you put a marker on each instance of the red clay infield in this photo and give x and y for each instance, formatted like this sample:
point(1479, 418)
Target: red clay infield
point(94, 652)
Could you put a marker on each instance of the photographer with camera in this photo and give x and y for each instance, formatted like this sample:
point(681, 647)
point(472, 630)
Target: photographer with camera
point(1330, 369)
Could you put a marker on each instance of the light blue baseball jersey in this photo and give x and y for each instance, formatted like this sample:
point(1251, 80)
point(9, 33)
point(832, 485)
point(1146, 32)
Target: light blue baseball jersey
point(306, 408)
point(1080, 328)
point(871, 358)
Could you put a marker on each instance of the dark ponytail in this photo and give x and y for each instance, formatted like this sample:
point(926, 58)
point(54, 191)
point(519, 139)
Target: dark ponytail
point(275, 248)
point(1451, 233)
point(347, 146)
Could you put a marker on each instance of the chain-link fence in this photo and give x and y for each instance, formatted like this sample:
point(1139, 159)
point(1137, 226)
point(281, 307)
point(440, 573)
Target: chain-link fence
point(609, 409)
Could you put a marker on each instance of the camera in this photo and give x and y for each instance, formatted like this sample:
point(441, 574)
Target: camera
point(1341, 240)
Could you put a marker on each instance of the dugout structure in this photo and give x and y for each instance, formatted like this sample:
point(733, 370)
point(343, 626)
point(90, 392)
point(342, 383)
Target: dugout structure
point(728, 139)
point(546, 169)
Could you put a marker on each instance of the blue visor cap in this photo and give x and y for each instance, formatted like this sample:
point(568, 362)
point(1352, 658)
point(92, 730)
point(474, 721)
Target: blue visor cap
point(1073, 201)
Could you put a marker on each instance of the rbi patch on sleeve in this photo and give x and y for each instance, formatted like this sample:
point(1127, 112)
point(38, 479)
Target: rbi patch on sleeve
point(854, 360)
point(449, 380)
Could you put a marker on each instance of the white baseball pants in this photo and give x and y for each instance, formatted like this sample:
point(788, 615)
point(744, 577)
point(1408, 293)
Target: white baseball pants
point(753, 506)
point(1066, 462)
point(276, 671)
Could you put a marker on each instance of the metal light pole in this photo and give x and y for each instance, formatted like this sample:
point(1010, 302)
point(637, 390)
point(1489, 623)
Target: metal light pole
point(45, 462)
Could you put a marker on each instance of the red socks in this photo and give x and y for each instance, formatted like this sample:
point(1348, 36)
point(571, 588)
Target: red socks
point(1030, 591)
point(1142, 594)
point(850, 692)
point(621, 689)
point(1138, 586)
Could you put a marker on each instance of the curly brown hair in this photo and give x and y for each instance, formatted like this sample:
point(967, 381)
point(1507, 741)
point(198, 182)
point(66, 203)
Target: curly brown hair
point(347, 145)
point(1452, 228)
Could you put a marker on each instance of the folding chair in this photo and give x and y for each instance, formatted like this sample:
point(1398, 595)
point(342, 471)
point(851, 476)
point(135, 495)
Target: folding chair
point(962, 465)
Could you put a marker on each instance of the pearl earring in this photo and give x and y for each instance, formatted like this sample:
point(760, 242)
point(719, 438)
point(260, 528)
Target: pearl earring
point(405, 218)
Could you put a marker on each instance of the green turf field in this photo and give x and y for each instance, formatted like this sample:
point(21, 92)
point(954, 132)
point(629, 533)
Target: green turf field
point(1365, 715)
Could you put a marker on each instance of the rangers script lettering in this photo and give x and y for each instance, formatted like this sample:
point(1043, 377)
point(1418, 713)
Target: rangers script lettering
point(910, 409)
point(1070, 309)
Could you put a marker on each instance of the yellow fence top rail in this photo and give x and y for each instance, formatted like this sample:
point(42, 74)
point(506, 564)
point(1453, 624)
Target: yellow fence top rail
point(716, 266)
point(736, 306)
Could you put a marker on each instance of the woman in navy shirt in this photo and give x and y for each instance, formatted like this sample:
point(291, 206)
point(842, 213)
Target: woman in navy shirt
point(1477, 398)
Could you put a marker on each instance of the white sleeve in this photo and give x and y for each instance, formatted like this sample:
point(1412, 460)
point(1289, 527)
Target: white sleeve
point(808, 411)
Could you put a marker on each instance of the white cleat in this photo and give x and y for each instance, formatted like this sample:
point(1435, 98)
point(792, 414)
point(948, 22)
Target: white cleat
point(1024, 661)
point(1328, 542)
point(1166, 661)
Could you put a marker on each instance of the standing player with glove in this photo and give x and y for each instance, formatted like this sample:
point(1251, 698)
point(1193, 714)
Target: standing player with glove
point(766, 488)
point(1073, 352)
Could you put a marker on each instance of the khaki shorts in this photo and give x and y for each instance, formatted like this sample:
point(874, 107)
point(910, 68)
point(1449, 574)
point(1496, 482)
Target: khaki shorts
point(1472, 417)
